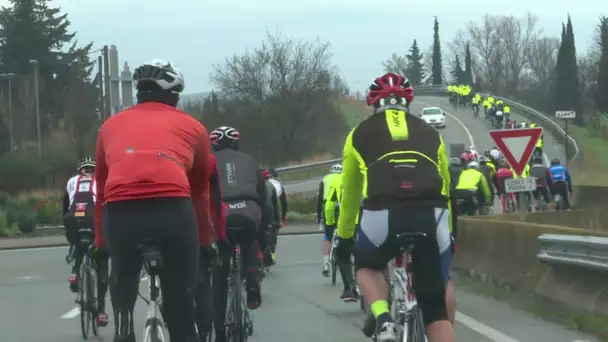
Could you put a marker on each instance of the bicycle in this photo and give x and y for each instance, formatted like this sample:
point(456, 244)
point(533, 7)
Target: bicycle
point(239, 325)
point(153, 261)
point(333, 261)
point(87, 289)
point(405, 309)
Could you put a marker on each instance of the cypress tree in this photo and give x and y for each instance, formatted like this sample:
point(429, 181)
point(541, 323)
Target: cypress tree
point(573, 83)
point(436, 69)
point(559, 100)
point(468, 72)
point(415, 68)
point(457, 72)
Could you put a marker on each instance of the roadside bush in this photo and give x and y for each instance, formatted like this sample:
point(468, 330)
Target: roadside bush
point(49, 211)
point(303, 203)
point(21, 213)
point(6, 229)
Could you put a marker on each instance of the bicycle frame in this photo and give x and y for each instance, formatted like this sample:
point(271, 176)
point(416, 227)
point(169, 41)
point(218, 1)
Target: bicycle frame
point(404, 299)
point(240, 329)
point(153, 328)
point(332, 250)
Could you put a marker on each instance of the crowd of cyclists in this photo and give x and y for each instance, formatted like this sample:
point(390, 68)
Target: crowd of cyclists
point(194, 194)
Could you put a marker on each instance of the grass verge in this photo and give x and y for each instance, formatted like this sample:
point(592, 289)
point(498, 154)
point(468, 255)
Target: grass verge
point(580, 320)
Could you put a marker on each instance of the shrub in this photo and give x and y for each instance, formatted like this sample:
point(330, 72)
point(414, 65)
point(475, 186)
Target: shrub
point(6, 229)
point(303, 203)
point(21, 212)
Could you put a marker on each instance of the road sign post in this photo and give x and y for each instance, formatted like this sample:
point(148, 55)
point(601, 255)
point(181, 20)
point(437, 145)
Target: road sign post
point(566, 115)
point(517, 145)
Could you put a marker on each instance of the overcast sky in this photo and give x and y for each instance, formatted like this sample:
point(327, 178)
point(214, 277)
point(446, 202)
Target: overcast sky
point(195, 34)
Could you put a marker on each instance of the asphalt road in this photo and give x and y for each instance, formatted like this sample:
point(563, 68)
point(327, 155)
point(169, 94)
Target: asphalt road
point(299, 304)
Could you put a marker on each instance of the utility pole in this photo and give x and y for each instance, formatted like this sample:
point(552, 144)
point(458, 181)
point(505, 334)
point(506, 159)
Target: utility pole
point(100, 87)
point(9, 77)
point(36, 65)
point(106, 72)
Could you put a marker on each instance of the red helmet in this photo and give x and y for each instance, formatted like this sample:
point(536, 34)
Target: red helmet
point(465, 157)
point(390, 85)
point(265, 173)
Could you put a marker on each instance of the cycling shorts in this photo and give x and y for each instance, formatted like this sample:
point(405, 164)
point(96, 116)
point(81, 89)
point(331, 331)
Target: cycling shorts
point(542, 191)
point(329, 231)
point(377, 244)
point(243, 219)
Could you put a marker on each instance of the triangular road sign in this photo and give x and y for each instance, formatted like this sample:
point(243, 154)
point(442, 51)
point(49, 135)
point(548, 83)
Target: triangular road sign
point(517, 145)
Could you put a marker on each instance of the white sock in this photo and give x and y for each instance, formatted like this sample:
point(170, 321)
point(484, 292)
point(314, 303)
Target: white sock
point(325, 259)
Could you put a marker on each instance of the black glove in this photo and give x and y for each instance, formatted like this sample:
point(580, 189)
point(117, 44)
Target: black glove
point(345, 249)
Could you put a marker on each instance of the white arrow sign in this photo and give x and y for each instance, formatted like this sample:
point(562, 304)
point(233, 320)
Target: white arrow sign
point(565, 114)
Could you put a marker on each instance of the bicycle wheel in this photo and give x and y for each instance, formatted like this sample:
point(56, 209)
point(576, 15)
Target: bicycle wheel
point(416, 330)
point(334, 270)
point(153, 331)
point(85, 312)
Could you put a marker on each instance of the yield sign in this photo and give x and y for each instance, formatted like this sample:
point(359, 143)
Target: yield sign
point(517, 145)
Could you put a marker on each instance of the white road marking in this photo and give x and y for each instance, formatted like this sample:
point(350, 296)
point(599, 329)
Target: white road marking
point(28, 277)
point(483, 329)
point(33, 249)
point(72, 313)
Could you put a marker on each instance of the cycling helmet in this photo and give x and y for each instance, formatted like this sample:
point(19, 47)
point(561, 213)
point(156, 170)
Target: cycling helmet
point(473, 165)
point(86, 162)
point(454, 161)
point(555, 161)
point(483, 160)
point(273, 172)
point(265, 173)
point(224, 137)
point(465, 158)
point(160, 72)
point(390, 89)
point(486, 153)
point(336, 168)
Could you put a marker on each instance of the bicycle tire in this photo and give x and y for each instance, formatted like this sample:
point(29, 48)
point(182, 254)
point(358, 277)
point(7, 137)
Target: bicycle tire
point(85, 320)
point(92, 291)
point(153, 328)
point(237, 330)
point(416, 329)
point(334, 271)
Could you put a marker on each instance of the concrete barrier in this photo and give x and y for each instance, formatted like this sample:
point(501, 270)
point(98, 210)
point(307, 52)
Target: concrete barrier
point(504, 253)
point(592, 219)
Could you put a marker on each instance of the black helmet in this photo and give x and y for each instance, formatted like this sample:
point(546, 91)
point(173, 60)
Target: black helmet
point(537, 160)
point(224, 137)
point(86, 162)
point(555, 161)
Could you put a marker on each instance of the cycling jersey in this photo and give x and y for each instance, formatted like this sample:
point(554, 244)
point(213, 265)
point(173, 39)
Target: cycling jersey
point(471, 179)
point(324, 191)
point(559, 173)
point(216, 204)
point(503, 174)
point(332, 202)
point(372, 149)
point(524, 174)
point(541, 173)
point(81, 184)
point(153, 150)
point(281, 195)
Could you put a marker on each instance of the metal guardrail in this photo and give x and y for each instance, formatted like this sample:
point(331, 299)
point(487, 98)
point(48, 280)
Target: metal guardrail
point(581, 251)
point(307, 167)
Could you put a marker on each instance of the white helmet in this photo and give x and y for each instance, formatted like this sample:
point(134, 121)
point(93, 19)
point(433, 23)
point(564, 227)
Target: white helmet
point(495, 154)
point(473, 165)
point(472, 148)
point(336, 168)
point(161, 72)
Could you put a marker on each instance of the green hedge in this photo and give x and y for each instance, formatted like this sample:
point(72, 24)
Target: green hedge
point(22, 215)
point(302, 203)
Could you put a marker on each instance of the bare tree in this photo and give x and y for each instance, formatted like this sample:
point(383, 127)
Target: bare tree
point(516, 36)
point(397, 64)
point(486, 49)
point(541, 59)
point(281, 97)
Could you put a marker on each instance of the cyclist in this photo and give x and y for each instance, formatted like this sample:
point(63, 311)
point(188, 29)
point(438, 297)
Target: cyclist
point(334, 172)
point(331, 209)
point(324, 189)
point(526, 194)
point(81, 189)
point(209, 256)
point(282, 196)
point(489, 172)
point(154, 190)
point(495, 155)
point(273, 207)
point(245, 194)
point(473, 152)
point(561, 183)
point(472, 188)
point(408, 188)
point(539, 170)
point(502, 174)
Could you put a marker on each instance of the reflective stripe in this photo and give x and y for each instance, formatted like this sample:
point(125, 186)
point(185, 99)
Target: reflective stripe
point(397, 124)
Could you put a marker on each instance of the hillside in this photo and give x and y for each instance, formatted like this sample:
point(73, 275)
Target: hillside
point(354, 110)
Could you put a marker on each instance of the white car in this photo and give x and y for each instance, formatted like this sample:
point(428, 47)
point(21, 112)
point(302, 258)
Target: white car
point(433, 116)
